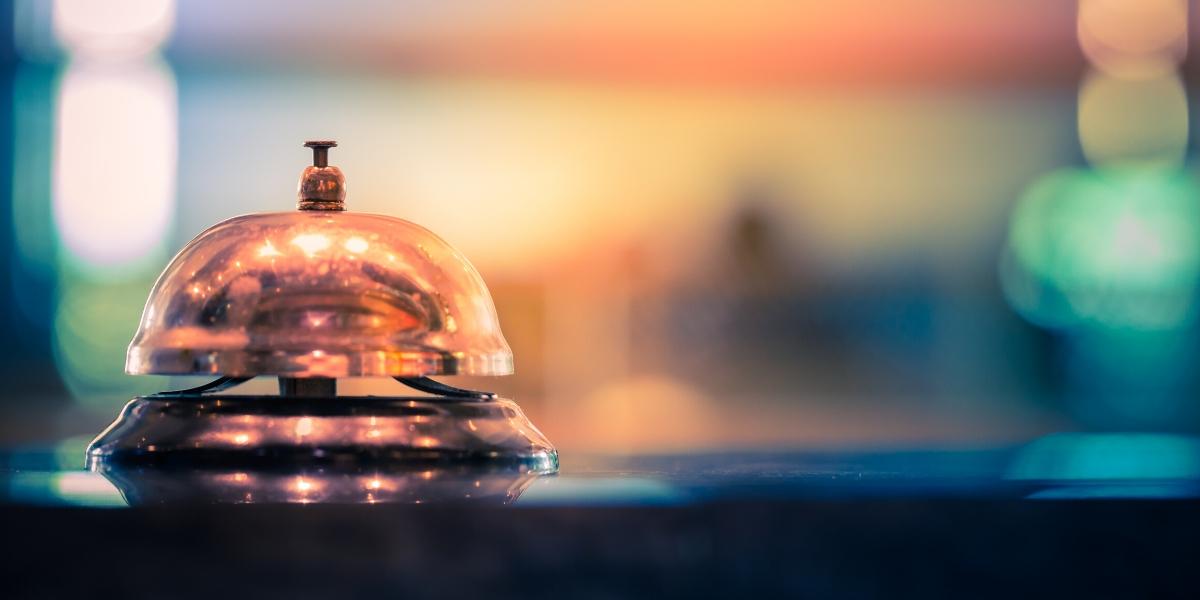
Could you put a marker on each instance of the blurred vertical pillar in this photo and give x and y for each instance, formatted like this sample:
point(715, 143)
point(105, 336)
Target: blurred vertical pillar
point(26, 290)
point(112, 185)
point(8, 62)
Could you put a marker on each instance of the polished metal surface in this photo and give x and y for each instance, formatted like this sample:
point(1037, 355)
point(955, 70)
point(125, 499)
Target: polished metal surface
point(311, 296)
point(212, 387)
point(388, 485)
point(307, 386)
point(321, 187)
point(319, 294)
point(438, 388)
point(263, 432)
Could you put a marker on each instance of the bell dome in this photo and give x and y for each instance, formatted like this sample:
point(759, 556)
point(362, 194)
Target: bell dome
point(319, 293)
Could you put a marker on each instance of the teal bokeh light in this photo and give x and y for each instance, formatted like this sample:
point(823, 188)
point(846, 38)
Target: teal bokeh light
point(1108, 457)
point(1113, 248)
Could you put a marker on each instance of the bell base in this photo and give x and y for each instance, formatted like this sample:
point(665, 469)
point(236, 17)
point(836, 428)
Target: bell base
point(237, 431)
point(147, 485)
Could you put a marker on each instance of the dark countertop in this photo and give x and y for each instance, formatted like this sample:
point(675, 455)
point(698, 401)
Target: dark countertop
point(1050, 518)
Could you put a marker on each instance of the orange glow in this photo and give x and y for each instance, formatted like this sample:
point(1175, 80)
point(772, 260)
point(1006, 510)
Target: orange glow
point(751, 42)
point(1134, 38)
point(304, 426)
point(268, 250)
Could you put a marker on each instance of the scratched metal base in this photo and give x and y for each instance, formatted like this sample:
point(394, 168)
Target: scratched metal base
point(194, 430)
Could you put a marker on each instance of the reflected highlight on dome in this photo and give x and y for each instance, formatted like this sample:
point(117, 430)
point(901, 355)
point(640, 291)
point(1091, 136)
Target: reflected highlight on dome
point(319, 294)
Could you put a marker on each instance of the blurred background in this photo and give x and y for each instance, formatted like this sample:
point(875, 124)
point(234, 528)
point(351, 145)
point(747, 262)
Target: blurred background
point(764, 224)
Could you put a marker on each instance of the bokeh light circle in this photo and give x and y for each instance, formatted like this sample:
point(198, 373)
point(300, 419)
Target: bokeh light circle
point(1113, 248)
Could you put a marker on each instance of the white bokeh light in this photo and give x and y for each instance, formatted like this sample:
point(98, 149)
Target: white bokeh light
point(113, 28)
point(115, 160)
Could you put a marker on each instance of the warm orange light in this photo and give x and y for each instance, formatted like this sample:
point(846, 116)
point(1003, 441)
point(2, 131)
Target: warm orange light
point(268, 250)
point(356, 245)
point(1133, 38)
point(311, 243)
point(304, 426)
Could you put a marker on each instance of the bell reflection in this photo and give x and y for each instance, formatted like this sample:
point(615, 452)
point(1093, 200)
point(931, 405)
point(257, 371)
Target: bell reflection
point(435, 485)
